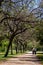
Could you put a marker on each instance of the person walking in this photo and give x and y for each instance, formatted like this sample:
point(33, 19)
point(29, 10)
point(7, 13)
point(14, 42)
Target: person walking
point(34, 51)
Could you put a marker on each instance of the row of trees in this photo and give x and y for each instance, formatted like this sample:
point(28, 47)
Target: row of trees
point(21, 17)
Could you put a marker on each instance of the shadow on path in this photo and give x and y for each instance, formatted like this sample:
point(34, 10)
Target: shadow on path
point(25, 59)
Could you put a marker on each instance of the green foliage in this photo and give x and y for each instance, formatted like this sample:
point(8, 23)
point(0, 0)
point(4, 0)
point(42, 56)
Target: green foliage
point(39, 32)
point(5, 42)
point(3, 45)
point(40, 56)
point(20, 11)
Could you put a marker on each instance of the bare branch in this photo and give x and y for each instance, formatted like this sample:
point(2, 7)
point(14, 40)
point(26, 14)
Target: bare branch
point(21, 31)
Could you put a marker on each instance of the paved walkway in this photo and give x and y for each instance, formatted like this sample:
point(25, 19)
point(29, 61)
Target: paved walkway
point(25, 59)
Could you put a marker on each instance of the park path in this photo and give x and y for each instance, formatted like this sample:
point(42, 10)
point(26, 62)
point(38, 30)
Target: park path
point(24, 59)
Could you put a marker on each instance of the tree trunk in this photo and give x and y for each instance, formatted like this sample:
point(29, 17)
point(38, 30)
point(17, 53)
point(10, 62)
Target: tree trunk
point(11, 50)
point(16, 47)
point(10, 43)
point(16, 50)
point(23, 49)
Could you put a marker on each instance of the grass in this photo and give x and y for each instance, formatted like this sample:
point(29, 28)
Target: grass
point(2, 58)
point(40, 56)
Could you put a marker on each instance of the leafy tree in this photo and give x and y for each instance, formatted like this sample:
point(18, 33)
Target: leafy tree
point(40, 33)
point(16, 15)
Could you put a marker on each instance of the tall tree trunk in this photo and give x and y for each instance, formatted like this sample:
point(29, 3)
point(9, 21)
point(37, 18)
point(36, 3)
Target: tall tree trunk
point(16, 50)
point(11, 50)
point(23, 49)
point(10, 43)
point(17, 47)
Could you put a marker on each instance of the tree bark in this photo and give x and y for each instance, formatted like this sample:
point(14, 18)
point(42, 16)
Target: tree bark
point(11, 50)
point(16, 50)
point(10, 43)
point(23, 49)
point(16, 47)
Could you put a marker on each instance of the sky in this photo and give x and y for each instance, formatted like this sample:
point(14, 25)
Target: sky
point(36, 2)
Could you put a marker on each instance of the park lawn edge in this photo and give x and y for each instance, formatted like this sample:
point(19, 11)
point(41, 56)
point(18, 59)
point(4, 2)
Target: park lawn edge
point(40, 56)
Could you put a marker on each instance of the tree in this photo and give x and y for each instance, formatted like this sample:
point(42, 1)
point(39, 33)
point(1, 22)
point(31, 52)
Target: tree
point(14, 20)
point(1, 2)
point(39, 34)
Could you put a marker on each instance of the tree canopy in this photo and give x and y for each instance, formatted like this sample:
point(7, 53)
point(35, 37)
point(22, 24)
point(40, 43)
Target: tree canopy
point(21, 16)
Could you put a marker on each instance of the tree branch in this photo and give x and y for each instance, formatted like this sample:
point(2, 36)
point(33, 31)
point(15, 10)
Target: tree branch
point(21, 31)
point(10, 27)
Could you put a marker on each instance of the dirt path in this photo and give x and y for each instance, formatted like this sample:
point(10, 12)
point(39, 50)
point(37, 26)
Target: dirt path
point(25, 59)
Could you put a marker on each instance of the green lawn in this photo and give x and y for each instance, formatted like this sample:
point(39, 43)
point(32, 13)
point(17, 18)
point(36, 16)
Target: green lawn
point(9, 55)
point(2, 57)
point(40, 56)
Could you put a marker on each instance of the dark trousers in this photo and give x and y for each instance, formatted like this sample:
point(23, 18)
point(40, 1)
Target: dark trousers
point(33, 52)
